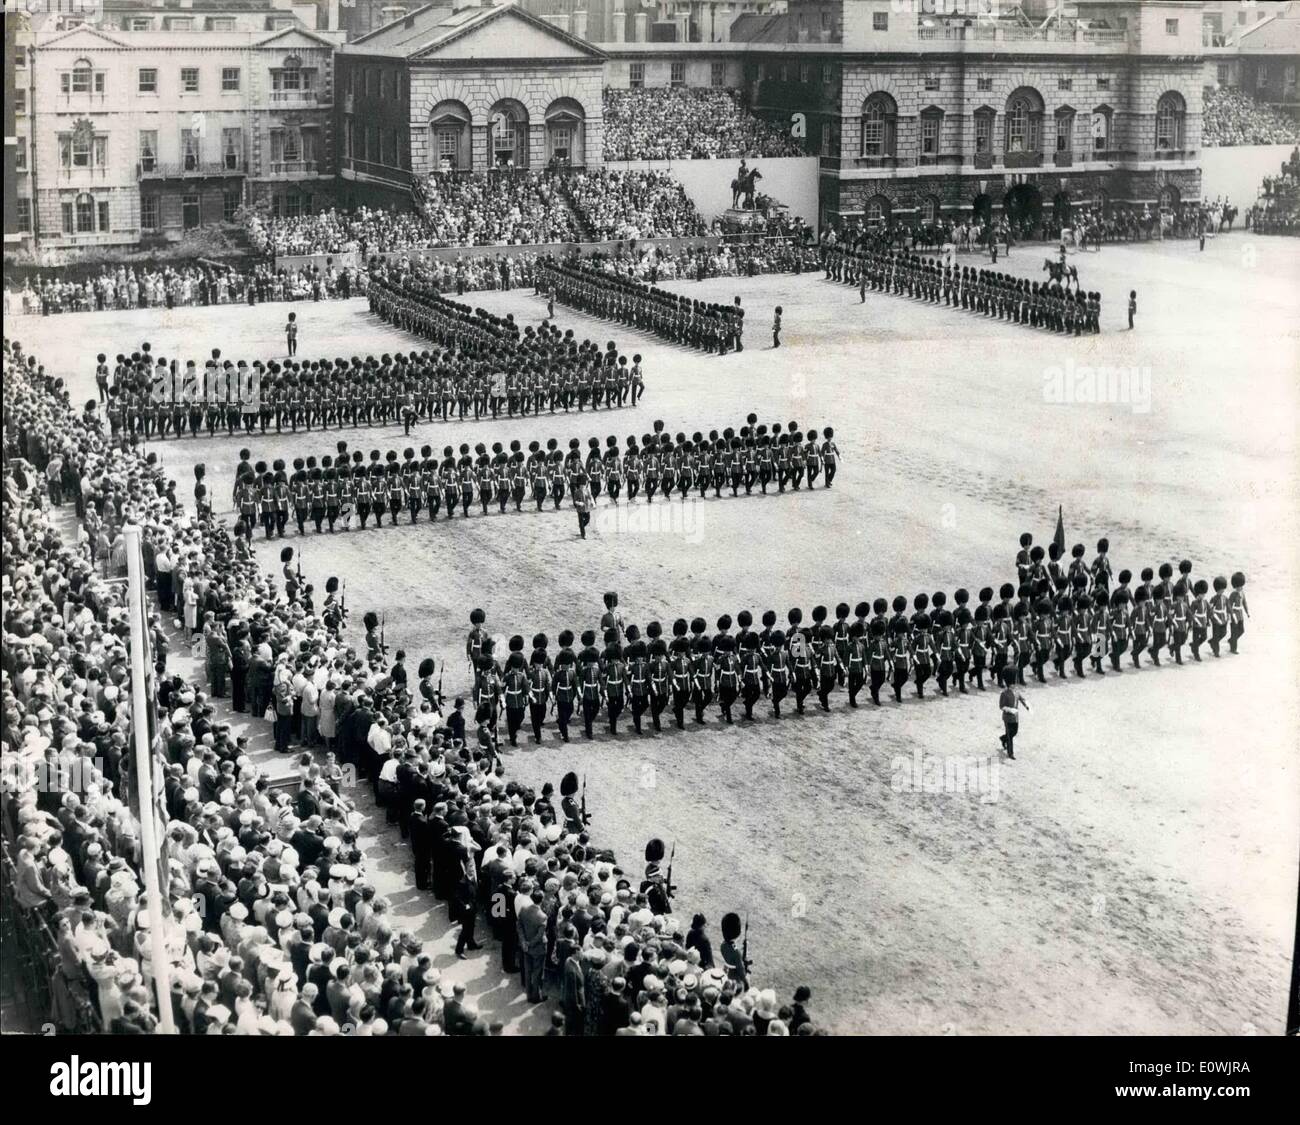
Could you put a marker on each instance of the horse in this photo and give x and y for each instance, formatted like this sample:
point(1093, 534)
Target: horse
point(1061, 272)
point(744, 185)
point(1228, 218)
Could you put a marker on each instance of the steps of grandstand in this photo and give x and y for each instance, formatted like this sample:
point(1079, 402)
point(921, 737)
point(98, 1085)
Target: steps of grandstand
point(585, 233)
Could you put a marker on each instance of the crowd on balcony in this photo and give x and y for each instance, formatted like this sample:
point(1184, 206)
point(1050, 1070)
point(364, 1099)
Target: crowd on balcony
point(1233, 117)
point(619, 205)
point(688, 123)
point(1277, 210)
point(271, 925)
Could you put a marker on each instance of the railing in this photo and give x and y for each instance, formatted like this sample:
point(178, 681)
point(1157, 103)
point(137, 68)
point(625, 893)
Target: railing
point(1023, 160)
point(294, 97)
point(983, 160)
point(186, 170)
point(294, 167)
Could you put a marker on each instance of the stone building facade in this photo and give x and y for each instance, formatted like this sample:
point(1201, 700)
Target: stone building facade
point(464, 89)
point(141, 135)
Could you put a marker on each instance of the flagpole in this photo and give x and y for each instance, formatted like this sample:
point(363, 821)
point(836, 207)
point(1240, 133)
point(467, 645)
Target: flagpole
point(144, 781)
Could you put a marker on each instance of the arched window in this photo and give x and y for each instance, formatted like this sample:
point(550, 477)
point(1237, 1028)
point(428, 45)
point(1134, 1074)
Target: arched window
point(1169, 198)
point(930, 210)
point(1171, 112)
point(879, 126)
point(877, 211)
point(85, 213)
point(1024, 122)
point(565, 132)
point(449, 137)
point(508, 122)
point(931, 132)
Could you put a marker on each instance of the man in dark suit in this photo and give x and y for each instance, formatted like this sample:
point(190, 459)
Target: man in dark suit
point(616, 1008)
point(573, 994)
point(457, 1019)
point(532, 931)
point(421, 844)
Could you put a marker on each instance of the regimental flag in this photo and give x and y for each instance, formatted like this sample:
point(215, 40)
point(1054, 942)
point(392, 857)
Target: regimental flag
point(1059, 537)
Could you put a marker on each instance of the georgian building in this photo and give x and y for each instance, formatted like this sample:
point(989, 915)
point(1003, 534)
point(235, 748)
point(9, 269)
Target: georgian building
point(915, 114)
point(460, 87)
point(143, 134)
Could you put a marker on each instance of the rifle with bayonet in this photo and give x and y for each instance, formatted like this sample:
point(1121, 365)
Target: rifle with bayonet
point(586, 819)
point(670, 888)
point(744, 946)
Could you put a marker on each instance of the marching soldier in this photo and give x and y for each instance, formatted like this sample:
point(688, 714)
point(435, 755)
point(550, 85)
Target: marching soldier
point(565, 683)
point(539, 685)
point(516, 689)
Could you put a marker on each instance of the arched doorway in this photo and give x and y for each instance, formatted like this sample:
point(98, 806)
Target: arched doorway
point(1062, 208)
point(1023, 205)
point(982, 208)
point(878, 211)
point(508, 134)
point(565, 127)
point(1169, 198)
point(449, 149)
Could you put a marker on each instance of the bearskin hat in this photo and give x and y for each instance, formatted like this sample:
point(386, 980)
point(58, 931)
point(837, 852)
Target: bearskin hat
point(795, 616)
point(921, 602)
point(565, 639)
point(1078, 550)
point(1026, 539)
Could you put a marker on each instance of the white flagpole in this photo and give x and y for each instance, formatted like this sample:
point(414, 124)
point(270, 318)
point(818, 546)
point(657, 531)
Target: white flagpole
point(144, 782)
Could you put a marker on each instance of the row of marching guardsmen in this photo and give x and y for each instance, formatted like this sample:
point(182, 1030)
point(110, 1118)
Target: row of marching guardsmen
point(650, 673)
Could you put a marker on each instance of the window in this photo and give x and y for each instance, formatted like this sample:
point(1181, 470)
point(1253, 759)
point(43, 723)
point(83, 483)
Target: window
point(190, 211)
point(828, 74)
point(20, 57)
point(785, 72)
point(803, 73)
point(78, 149)
point(232, 149)
point(1171, 27)
point(190, 149)
point(180, 23)
point(20, 155)
point(1065, 132)
point(1261, 76)
point(1221, 74)
point(879, 120)
point(984, 134)
point(81, 79)
point(20, 100)
point(879, 21)
point(1170, 111)
point(1065, 83)
point(448, 145)
point(85, 214)
point(147, 82)
point(877, 211)
point(229, 205)
point(984, 82)
point(229, 79)
point(104, 225)
point(24, 215)
point(1023, 124)
point(221, 23)
point(148, 149)
point(826, 21)
point(1103, 83)
point(141, 23)
point(1100, 130)
point(149, 212)
point(930, 210)
point(716, 74)
point(69, 223)
point(189, 79)
point(931, 81)
point(677, 75)
point(636, 75)
point(930, 123)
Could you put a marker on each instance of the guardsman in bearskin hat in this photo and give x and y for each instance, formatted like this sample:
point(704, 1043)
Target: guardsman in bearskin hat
point(1238, 611)
point(615, 679)
point(638, 676)
point(900, 654)
point(589, 681)
point(801, 659)
point(680, 667)
point(1218, 614)
point(1022, 559)
point(840, 638)
point(732, 955)
point(655, 884)
point(727, 668)
point(1101, 569)
point(1179, 620)
point(752, 672)
point(1200, 617)
point(539, 684)
point(476, 637)
point(565, 683)
point(513, 473)
point(515, 689)
point(575, 820)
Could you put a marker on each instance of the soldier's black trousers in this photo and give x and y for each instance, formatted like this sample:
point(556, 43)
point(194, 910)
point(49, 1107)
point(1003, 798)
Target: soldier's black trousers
point(537, 715)
point(514, 720)
point(830, 474)
point(638, 708)
point(615, 709)
point(563, 713)
point(589, 709)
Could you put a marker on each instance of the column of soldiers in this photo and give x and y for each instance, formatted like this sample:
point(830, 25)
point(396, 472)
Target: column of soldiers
point(151, 400)
point(323, 492)
point(987, 292)
point(1058, 617)
point(713, 328)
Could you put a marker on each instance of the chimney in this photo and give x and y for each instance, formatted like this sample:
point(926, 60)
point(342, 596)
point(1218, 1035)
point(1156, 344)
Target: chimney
point(579, 27)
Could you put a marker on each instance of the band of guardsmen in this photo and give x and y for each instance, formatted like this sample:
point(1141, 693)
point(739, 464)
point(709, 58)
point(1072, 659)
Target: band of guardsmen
point(655, 464)
point(1046, 305)
point(1055, 616)
point(710, 327)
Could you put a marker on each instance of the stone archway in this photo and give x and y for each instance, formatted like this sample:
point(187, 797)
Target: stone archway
point(566, 122)
point(449, 137)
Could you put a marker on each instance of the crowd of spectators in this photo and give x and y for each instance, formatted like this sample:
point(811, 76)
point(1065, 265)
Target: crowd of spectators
point(1277, 210)
point(126, 287)
point(496, 209)
point(291, 937)
point(688, 123)
point(1233, 117)
point(619, 205)
point(748, 258)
